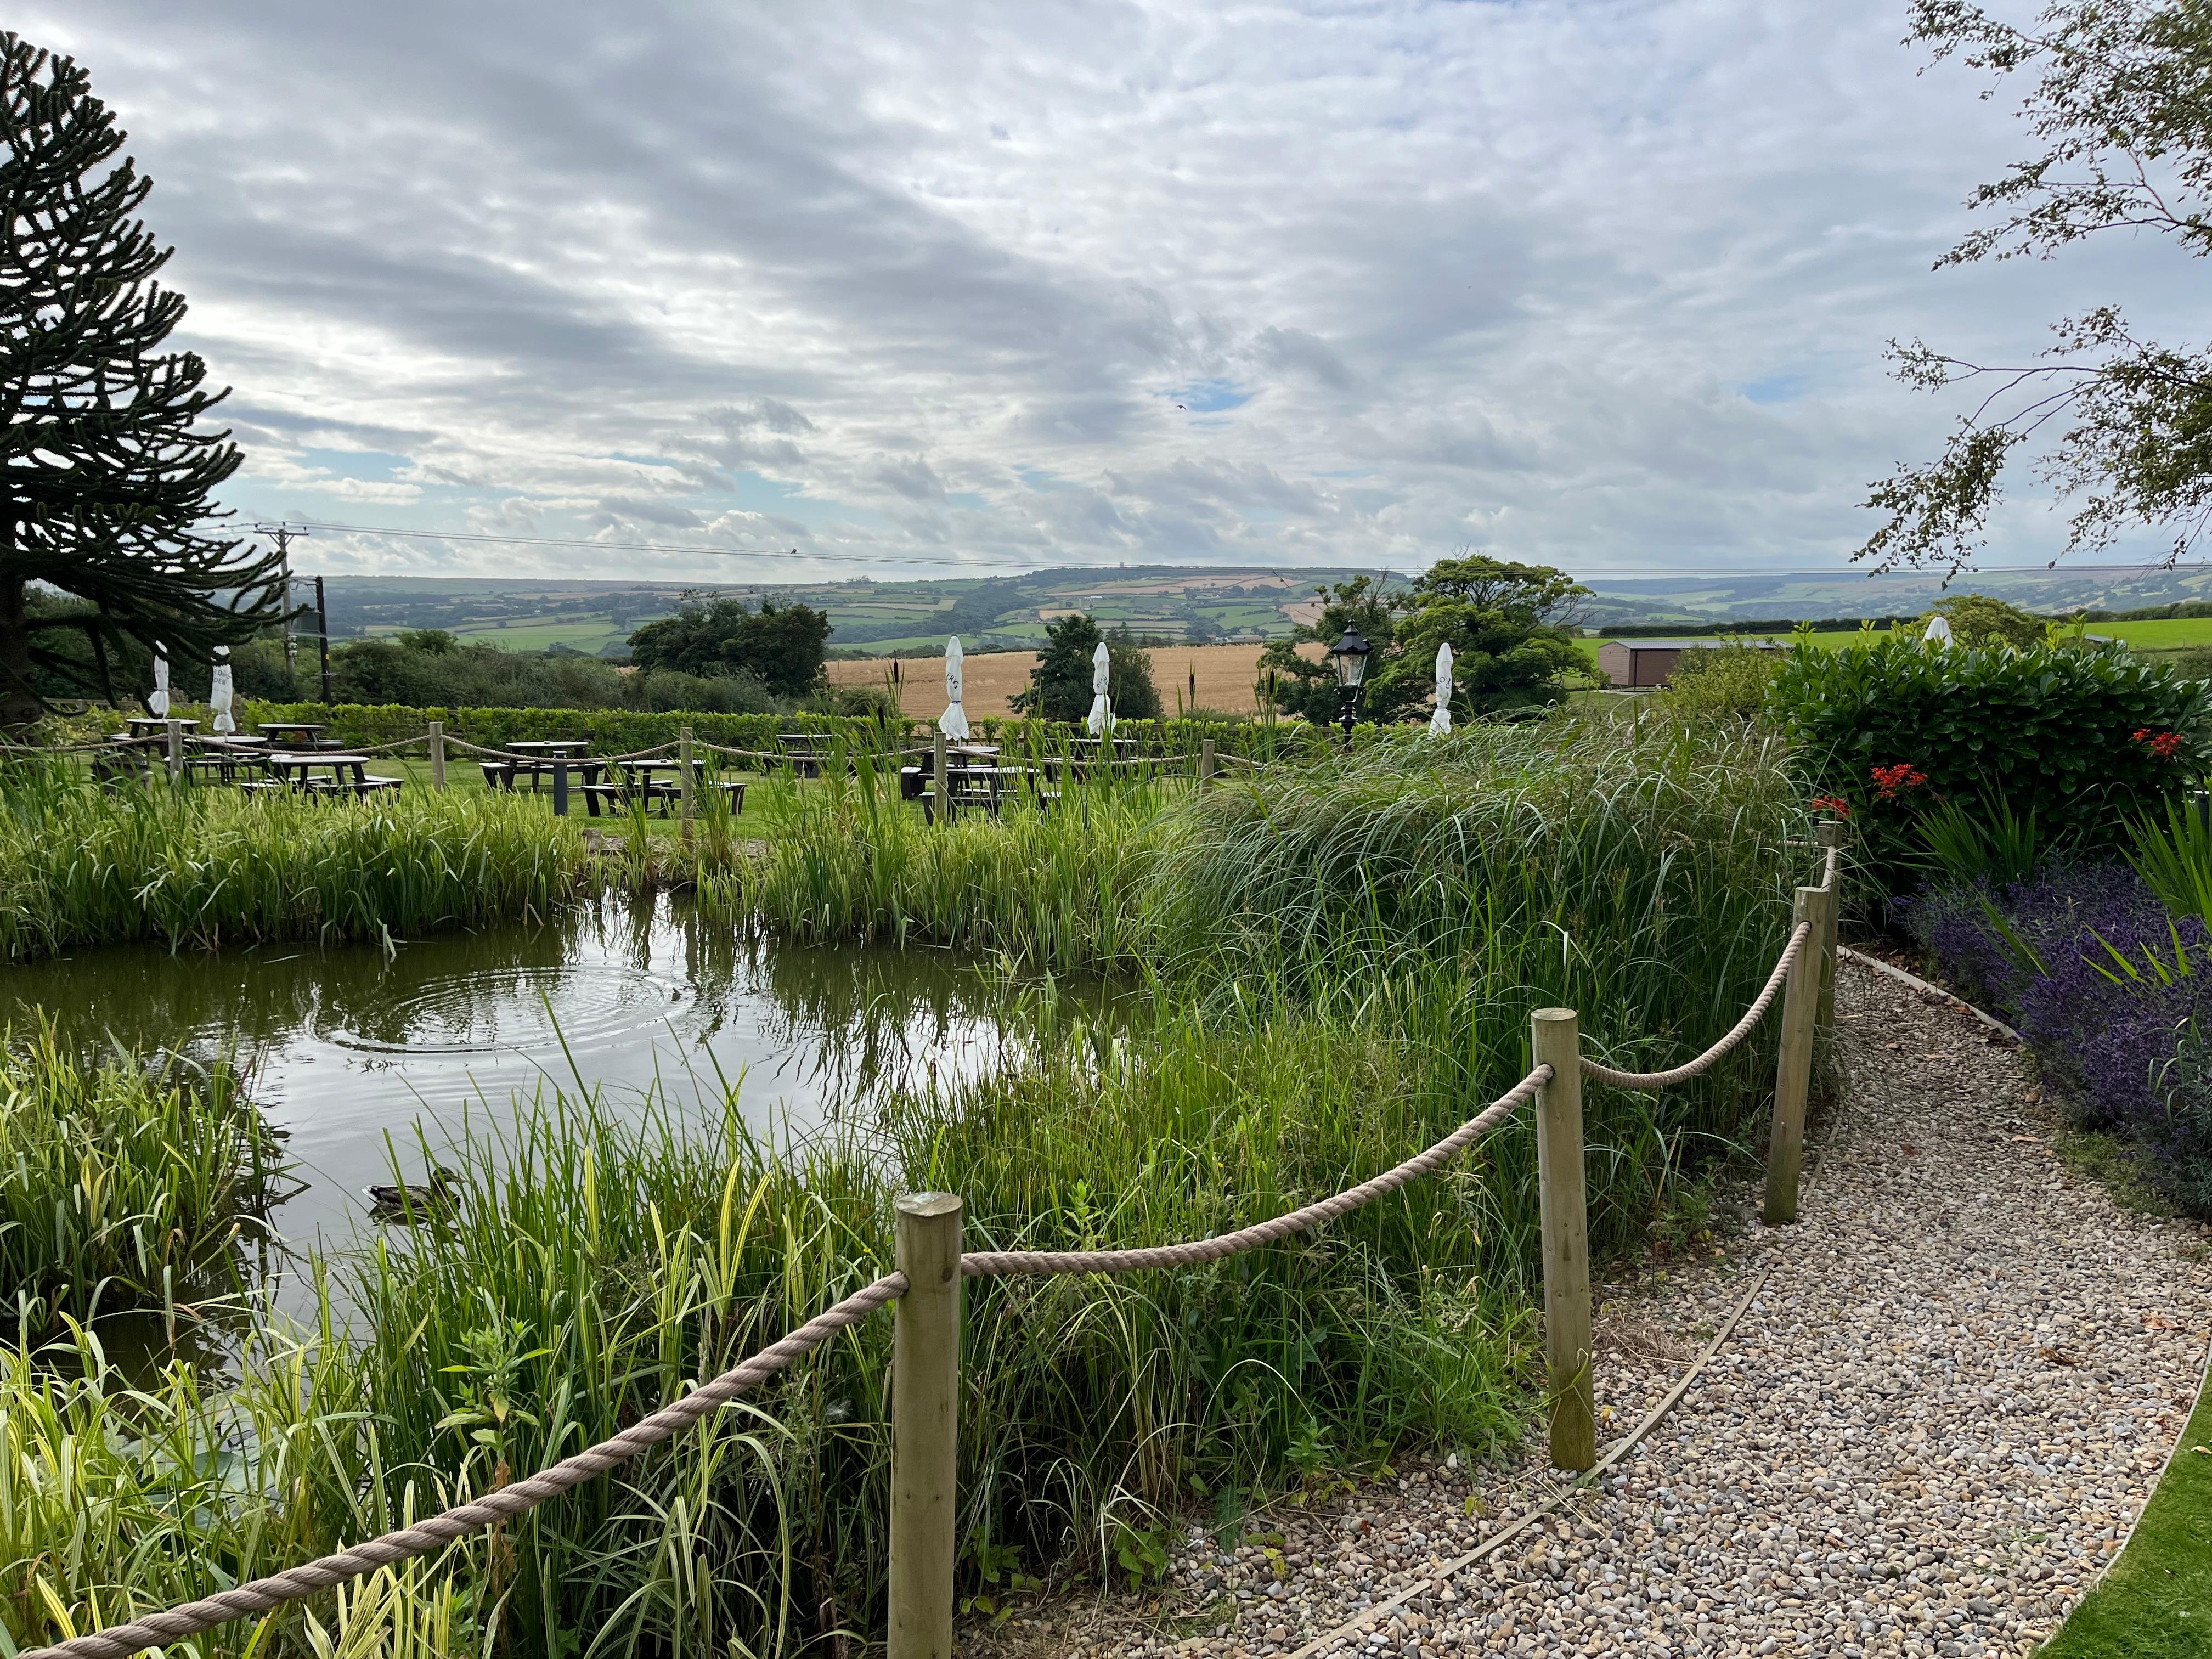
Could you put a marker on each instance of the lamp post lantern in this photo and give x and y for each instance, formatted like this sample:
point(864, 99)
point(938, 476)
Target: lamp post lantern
point(1350, 654)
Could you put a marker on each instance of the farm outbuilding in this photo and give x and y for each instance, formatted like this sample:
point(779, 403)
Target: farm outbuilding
point(1645, 665)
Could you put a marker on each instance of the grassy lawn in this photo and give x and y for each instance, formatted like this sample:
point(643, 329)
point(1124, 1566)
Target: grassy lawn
point(2156, 1601)
point(587, 634)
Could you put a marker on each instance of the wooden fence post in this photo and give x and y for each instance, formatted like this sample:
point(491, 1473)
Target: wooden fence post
point(1557, 1042)
point(176, 751)
point(684, 785)
point(1206, 764)
point(1793, 1069)
point(1831, 836)
point(559, 786)
point(941, 797)
point(438, 755)
point(924, 1428)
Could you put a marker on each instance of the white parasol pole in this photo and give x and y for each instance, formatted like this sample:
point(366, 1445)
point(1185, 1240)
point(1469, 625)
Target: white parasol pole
point(1440, 722)
point(1102, 706)
point(954, 722)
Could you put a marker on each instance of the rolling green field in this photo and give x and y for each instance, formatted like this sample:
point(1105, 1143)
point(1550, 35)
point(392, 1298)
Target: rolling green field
point(2149, 637)
point(589, 634)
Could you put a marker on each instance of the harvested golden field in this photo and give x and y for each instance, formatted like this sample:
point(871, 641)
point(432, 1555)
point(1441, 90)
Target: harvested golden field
point(1223, 675)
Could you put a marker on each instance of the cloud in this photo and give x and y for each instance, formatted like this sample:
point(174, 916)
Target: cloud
point(1601, 282)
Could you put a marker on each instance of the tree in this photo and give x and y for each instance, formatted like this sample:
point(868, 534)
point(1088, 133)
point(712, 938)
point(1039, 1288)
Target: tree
point(782, 645)
point(108, 477)
point(1060, 685)
point(1978, 618)
point(1509, 626)
point(2122, 109)
point(1299, 686)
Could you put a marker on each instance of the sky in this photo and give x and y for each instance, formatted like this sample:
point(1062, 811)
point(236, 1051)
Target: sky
point(968, 287)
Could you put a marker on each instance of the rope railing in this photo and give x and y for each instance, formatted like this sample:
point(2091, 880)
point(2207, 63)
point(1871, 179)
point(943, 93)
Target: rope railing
point(262, 1595)
point(468, 748)
point(266, 1595)
point(921, 1614)
point(982, 1264)
point(1712, 1056)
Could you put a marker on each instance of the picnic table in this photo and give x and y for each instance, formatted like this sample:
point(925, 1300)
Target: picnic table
point(293, 735)
point(145, 729)
point(535, 758)
point(957, 757)
point(805, 750)
point(224, 758)
point(976, 782)
point(640, 779)
point(348, 774)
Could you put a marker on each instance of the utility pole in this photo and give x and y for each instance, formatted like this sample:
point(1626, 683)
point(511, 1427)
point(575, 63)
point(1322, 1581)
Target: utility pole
point(323, 617)
point(282, 534)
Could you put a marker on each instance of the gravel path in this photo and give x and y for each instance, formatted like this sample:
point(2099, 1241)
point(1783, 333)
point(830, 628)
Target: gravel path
point(1925, 1437)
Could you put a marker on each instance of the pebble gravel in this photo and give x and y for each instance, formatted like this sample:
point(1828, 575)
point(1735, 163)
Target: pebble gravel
point(1926, 1436)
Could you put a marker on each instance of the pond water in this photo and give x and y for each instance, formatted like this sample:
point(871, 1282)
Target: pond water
point(346, 1049)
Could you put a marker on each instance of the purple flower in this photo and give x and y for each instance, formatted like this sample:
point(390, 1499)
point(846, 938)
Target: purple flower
point(2118, 1047)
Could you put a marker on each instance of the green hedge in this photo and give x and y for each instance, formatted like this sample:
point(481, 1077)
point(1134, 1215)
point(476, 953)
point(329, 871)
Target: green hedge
point(617, 730)
point(2051, 728)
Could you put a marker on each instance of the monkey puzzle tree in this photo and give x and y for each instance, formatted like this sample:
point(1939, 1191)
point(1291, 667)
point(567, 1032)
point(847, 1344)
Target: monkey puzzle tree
point(104, 479)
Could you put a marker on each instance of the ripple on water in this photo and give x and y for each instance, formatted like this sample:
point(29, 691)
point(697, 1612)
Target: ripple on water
point(529, 1010)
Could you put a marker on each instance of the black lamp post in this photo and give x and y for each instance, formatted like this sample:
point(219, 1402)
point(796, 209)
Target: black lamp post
point(1350, 654)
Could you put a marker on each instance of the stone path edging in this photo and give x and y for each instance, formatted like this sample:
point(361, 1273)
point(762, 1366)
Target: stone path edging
point(1890, 970)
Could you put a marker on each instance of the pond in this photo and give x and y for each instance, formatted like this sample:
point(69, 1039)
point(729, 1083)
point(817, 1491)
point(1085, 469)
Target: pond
point(346, 1049)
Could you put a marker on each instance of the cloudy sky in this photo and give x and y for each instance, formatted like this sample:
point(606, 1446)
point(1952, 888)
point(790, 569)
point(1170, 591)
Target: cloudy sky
point(1604, 284)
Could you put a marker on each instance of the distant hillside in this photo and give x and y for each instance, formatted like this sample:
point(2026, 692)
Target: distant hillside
point(1197, 605)
point(1194, 605)
point(1855, 593)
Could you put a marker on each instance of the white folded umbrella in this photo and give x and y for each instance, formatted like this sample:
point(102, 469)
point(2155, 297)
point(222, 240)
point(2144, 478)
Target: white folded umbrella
point(1102, 706)
point(1440, 722)
point(954, 722)
point(158, 703)
point(1939, 631)
point(219, 691)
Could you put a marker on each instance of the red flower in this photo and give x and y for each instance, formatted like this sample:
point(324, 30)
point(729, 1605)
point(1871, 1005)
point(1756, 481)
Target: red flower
point(1835, 804)
point(1891, 781)
point(2163, 745)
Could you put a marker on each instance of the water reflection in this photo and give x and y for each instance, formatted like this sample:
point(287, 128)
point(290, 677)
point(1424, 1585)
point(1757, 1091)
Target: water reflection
point(348, 1045)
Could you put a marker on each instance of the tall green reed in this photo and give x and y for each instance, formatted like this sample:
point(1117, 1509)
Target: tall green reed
point(122, 1184)
point(81, 864)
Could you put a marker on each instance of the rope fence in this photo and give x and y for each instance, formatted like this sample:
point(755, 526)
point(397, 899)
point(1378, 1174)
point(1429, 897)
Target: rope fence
point(931, 1265)
point(1720, 1050)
